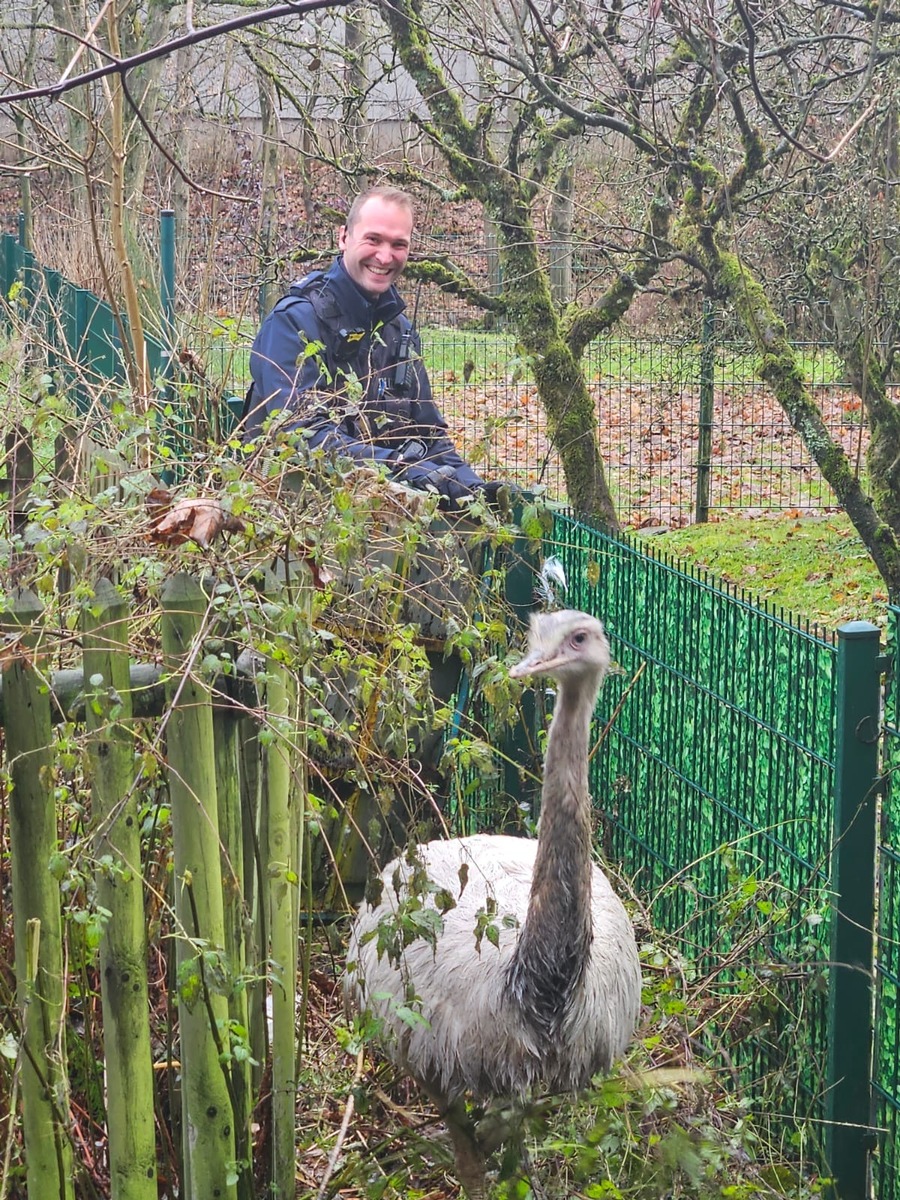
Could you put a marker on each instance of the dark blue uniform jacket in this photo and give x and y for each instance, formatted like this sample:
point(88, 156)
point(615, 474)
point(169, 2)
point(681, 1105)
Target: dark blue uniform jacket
point(326, 357)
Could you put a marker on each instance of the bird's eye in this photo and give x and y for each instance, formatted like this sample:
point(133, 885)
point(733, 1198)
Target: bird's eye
point(578, 639)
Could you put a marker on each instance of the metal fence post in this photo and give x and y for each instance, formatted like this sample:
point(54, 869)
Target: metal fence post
point(175, 435)
point(849, 1133)
point(523, 560)
point(8, 267)
point(167, 289)
point(79, 347)
point(705, 424)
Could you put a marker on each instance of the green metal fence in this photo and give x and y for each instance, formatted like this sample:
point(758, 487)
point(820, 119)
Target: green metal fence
point(80, 331)
point(727, 788)
point(887, 1045)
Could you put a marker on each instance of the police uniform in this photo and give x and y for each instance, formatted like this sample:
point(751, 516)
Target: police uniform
point(348, 370)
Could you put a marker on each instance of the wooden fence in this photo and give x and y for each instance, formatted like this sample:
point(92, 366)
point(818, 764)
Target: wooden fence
point(234, 760)
point(153, 764)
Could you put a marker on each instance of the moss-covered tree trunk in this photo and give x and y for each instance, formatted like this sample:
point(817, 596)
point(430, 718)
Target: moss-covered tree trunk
point(780, 368)
point(269, 160)
point(856, 346)
point(562, 218)
point(355, 124)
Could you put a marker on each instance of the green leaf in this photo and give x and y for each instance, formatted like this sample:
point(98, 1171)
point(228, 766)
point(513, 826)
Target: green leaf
point(58, 866)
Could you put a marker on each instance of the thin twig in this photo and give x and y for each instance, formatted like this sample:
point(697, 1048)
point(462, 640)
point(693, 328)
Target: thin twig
point(345, 1125)
point(612, 720)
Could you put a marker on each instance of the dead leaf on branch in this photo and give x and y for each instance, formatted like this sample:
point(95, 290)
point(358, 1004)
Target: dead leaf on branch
point(200, 519)
point(197, 520)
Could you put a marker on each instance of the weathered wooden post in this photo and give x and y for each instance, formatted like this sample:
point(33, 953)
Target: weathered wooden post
point(210, 1169)
point(117, 853)
point(18, 484)
point(250, 777)
point(283, 809)
point(37, 920)
point(226, 724)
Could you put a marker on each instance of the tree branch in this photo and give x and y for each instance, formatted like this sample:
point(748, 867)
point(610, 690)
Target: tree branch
point(121, 66)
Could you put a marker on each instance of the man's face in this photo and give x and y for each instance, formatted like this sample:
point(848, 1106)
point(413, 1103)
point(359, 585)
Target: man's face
point(377, 247)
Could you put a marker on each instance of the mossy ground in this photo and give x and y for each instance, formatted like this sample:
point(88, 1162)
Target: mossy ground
point(814, 566)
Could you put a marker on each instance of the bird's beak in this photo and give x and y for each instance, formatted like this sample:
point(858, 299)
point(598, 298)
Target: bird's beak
point(535, 662)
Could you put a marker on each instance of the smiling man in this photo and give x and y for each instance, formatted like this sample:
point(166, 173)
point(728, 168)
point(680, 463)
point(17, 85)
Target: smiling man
point(338, 358)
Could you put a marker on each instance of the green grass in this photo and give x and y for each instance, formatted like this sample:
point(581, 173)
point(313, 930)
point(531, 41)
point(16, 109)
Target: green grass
point(635, 360)
point(816, 567)
point(447, 349)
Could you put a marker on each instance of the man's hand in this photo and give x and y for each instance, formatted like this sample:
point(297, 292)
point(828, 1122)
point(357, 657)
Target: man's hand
point(454, 495)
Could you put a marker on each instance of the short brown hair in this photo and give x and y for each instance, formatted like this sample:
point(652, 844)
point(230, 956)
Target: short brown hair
point(390, 195)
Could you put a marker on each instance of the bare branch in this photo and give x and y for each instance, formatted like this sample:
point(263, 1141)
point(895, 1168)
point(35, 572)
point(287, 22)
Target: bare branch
point(122, 66)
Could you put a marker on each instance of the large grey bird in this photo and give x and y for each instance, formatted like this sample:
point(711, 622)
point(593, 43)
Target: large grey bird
point(529, 979)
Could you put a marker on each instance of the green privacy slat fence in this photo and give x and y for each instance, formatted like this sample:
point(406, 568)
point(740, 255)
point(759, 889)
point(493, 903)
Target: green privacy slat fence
point(725, 738)
point(80, 331)
point(715, 789)
point(887, 980)
point(735, 702)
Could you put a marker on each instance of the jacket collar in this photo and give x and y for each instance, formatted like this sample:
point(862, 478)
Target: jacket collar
point(355, 307)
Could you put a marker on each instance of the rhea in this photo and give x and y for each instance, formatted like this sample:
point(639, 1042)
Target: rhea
point(552, 996)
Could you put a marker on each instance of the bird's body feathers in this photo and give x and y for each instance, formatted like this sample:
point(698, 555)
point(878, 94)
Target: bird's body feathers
point(461, 988)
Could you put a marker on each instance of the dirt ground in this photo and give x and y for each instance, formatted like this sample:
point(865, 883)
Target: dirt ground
point(649, 438)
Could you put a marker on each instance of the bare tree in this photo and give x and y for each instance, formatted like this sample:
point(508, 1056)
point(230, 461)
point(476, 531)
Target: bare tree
point(761, 151)
point(728, 107)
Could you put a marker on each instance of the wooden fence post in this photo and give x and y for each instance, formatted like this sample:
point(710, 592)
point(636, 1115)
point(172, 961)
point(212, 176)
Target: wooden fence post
point(37, 919)
point(226, 725)
point(250, 785)
point(281, 876)
point(117, 851)
point(18, 484)
point(208, 1136)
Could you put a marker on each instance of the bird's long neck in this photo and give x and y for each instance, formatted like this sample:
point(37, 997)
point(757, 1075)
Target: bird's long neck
point(553, 947)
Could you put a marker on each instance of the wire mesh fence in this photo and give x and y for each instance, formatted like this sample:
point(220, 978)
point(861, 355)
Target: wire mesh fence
point(686, 429)
point(713, 780)
point(649, 397)
point(716, 783)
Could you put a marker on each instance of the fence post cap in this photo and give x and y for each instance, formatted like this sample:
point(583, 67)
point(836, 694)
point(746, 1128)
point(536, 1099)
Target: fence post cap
point(858, 629)
point(23, 608)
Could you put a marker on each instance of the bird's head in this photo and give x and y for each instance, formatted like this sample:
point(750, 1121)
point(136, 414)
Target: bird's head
point(565, 645)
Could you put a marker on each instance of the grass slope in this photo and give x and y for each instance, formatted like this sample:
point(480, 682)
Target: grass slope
point(815, 567)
